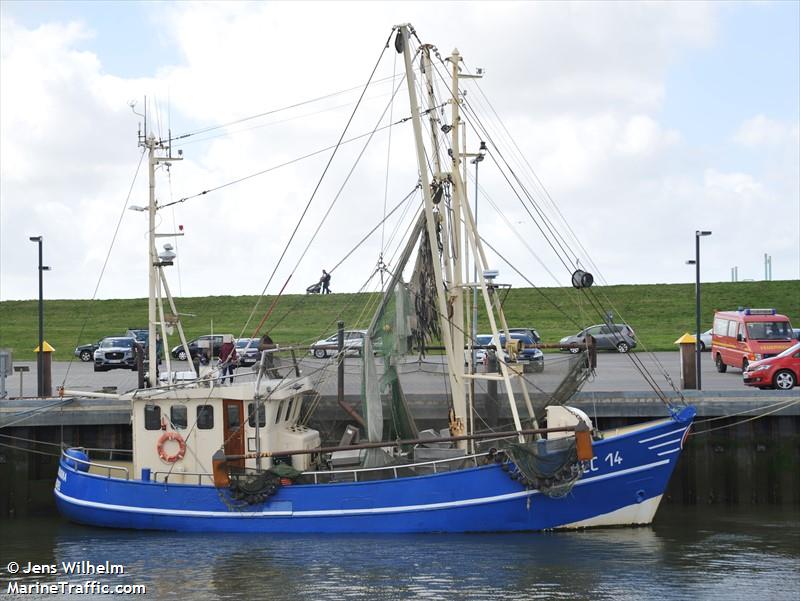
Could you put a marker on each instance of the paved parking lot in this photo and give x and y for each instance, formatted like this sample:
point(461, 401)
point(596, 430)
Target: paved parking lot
point(615, 373)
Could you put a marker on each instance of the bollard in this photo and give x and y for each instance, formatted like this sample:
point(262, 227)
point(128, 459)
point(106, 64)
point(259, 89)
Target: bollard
point(686, 345)
point(46, 379)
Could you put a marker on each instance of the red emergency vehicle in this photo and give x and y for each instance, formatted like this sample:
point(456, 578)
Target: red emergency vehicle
point(739, 337)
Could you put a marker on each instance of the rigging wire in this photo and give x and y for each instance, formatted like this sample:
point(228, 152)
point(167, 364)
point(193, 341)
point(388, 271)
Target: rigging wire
point(105, 262)
point(313, 194)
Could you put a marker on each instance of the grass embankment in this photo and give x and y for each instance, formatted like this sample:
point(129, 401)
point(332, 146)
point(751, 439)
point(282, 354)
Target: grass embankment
point(659, 313)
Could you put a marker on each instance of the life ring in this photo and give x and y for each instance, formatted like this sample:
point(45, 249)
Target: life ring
point(165, 437)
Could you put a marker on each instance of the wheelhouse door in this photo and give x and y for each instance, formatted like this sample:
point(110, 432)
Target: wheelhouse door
point(233, 412)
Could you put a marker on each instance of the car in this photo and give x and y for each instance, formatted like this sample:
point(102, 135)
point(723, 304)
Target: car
point(609, 337)
point(530, 332)
point(142, 335)
point(248, 355)
point(85, 352)
point(705, 340)
point(527, 352)
point(781, 371)
point(115, 352)
point(353, 342)
point(214, 342)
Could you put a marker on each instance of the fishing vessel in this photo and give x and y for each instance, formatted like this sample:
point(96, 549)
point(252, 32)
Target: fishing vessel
point(241, 457)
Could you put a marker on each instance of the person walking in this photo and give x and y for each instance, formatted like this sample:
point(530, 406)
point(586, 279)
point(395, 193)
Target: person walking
point(227, 358)
point(325, 280)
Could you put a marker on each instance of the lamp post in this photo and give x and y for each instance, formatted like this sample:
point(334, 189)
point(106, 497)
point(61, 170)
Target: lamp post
point(481, 154)
point(696, 263)
point(40, 354)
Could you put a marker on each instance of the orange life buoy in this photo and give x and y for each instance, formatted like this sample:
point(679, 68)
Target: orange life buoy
point(167, 436)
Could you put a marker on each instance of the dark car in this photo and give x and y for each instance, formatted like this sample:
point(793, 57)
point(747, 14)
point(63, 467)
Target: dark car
point(529, 332)
point(527, 351)
point(609, 337)
point(780, 371)
point(115, 352)
point(85, 352)
point(248, 355)
point(214, 343)
point(142, 335)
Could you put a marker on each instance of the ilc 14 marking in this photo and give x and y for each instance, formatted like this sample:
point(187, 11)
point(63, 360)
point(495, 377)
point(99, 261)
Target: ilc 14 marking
point(612, 459)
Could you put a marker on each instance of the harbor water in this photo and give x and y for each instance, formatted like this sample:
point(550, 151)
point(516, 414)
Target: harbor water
point(690, 552)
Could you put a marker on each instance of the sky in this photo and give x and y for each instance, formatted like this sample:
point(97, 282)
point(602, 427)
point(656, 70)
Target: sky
point(644, 122)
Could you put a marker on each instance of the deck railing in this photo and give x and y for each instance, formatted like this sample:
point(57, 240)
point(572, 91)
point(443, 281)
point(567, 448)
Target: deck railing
point(102, 466)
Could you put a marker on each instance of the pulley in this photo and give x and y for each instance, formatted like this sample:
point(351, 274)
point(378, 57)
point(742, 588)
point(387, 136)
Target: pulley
point(582, 279)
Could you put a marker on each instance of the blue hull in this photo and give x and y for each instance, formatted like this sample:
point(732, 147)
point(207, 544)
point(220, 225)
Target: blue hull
point(625, 482)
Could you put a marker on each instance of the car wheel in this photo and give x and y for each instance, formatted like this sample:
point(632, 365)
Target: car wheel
point(86, 356)
point(745, 364)
point(721, 367)
point(574, 350)
point(623, 347)
point(784, 380)
point(320, 353)
point(702, 346)
point(181, 355)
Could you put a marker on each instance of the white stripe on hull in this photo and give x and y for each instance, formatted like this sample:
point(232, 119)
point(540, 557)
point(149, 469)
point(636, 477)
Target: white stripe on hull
point(636, 514)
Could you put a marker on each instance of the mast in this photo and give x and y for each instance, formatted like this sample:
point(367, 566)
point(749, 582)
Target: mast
point(150, 142)
point(155, 274)
point(455, 367)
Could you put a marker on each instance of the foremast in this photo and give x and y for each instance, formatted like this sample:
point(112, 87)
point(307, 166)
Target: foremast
point(156, 279)
point(450, 281)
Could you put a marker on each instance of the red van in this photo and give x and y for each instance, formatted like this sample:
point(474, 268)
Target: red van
point(739, 337)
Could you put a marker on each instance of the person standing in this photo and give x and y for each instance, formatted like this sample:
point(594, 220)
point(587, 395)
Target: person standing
point(325, 280)
point(266, 344)
point(227, 358)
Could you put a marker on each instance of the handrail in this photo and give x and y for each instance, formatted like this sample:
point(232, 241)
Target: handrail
point(200, 476)
point(99, 465)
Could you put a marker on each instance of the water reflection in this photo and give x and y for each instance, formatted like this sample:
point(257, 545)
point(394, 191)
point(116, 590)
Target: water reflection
point(689, 554)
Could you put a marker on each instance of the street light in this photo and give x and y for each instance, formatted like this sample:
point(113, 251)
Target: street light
point(40, 354)
point(696, 264)
point(476, 161)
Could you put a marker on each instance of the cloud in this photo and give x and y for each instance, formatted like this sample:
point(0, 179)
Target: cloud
point(762, 131)
point(580, 85)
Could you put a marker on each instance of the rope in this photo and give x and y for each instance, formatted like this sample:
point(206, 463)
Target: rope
point(744, 421)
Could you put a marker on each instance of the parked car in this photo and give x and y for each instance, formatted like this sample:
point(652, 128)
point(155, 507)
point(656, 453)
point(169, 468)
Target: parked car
point(214, 344)
point(530, 332)
point(527, 351)
point(115, 352)
point(85, 352)
point(353, 343)
point(781, 371)
point(617, 336)
point(705, 340)
point(248, 355)
point(142, 335)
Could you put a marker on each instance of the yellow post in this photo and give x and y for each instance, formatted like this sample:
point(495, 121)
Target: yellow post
point(47, 367)
point(686, 345)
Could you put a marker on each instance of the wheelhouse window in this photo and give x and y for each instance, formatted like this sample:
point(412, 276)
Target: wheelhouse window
point(251, 415)
point(289, 406)
point(178, 416)
point(152, 417)
point(278, 412)
point(205, 417)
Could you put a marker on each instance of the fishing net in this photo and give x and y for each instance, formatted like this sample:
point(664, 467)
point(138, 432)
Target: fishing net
point(389, 339)
point(550, 466)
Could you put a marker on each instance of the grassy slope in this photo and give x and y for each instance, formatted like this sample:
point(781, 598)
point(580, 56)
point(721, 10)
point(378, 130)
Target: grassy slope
point(659, 313)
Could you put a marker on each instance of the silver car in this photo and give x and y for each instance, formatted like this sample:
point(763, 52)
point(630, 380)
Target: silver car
point(353, 343)
point(615, 336)
point(115, 352)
